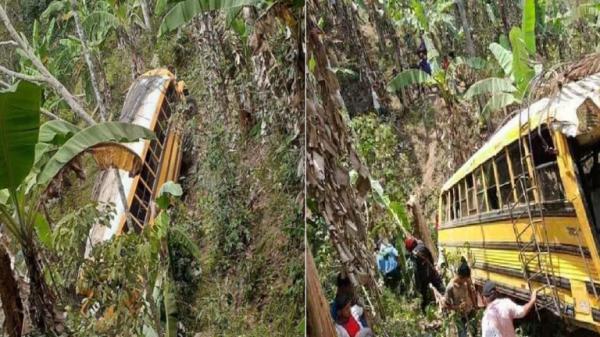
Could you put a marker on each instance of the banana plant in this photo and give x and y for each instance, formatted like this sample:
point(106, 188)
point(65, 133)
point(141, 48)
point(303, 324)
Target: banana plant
point(19, 177)
point(517, 67)
point(442, 79)
point(185, 11)
point(160, 235)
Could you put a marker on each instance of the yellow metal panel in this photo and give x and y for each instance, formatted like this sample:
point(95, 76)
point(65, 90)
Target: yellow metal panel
point(582, 303)
point(557, 228)
point(565, 164)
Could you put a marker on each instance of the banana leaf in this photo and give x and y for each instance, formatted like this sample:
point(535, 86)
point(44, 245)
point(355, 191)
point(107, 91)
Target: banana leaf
point(19, 132)
point(57, 132)
point(187, 10)
point(492, 85)
point(528, 25)
point(504, 58)
point(409, 77)
point(90, 137)
point(498, 101)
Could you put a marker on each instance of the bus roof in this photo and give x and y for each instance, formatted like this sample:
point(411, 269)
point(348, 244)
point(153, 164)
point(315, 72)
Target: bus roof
point(561, 110)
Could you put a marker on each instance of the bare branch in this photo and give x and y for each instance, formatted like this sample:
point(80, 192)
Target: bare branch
point(47, 76)
point(12, 43)
point(22, 76)
point(50, 114)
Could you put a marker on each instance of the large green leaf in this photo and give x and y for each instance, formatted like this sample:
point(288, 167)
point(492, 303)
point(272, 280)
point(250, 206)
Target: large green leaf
point(168, 189)
point(57, 132)
point(170, 310)
point(503, 56)
point(161, 6)
point(498, 101)
point(185, 11)
point(100, 19)
point(92, 136)
point(420, 14)
point(408, 77)
point(54, 6)
point(19, 130)
point(522, 72)
point(180, 235)
point(491, 85)
point(231, 15)
point(42, 227)
point(528, 24)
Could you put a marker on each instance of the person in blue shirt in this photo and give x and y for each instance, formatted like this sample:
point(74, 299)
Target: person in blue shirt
point(387, 261)
point(344, 288)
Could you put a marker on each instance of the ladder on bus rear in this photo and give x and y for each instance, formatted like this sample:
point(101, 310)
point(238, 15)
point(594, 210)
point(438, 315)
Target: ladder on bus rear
point(534, 251)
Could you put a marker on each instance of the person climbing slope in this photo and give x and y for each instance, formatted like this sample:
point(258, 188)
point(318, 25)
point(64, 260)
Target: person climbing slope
point(387, 262)
point(460, 298)
point(425, 272)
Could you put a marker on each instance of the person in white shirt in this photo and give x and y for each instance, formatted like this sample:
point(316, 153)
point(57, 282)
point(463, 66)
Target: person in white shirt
point(499, 312)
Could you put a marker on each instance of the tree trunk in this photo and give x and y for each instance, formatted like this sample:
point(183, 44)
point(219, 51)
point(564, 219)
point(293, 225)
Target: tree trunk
point(46, 75)
point(421, 229)
point(88, 60)
point(41, 299)
point(12, 304)
point(505, 23)
point(466, 28)
point(319, 322)
point(146, 14)
point(327, 177)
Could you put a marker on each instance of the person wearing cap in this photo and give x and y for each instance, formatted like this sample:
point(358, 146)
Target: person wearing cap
point(499, 312)
point(344, 288)
point(461, 299)
point(425, 272)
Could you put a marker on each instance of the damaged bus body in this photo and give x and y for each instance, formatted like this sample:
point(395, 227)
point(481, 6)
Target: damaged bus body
point(153, 101)
point(525, 208)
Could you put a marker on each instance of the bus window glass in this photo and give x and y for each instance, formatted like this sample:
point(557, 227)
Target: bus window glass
point(455, 203)
point(546, 166)
point(481, 203)
point(490, 183)
point(444, 212)
point(504, 179)
point(471, 195)
point(521, 178)
point(463, 199)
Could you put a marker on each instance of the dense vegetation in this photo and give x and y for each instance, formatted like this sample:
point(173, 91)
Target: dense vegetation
point(487, 59)
point(225, 256)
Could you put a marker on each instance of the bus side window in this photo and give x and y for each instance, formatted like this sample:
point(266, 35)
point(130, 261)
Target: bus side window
point(504, 179)
point(490, 183)
point(471, 194)
point(479, 186)
point(444, 212)
point(519, 175)
point(455, 203)
point(546, 167)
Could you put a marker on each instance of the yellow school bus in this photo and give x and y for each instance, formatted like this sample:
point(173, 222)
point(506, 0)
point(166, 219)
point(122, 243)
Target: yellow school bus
point(155, 100)
point(525, 208)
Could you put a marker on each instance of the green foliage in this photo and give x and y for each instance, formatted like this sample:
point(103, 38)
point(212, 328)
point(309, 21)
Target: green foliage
point(185, 11)
point(92, 136)
point(409, 77)
point(167, 190)
point(57, 132)
point(19, 128)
